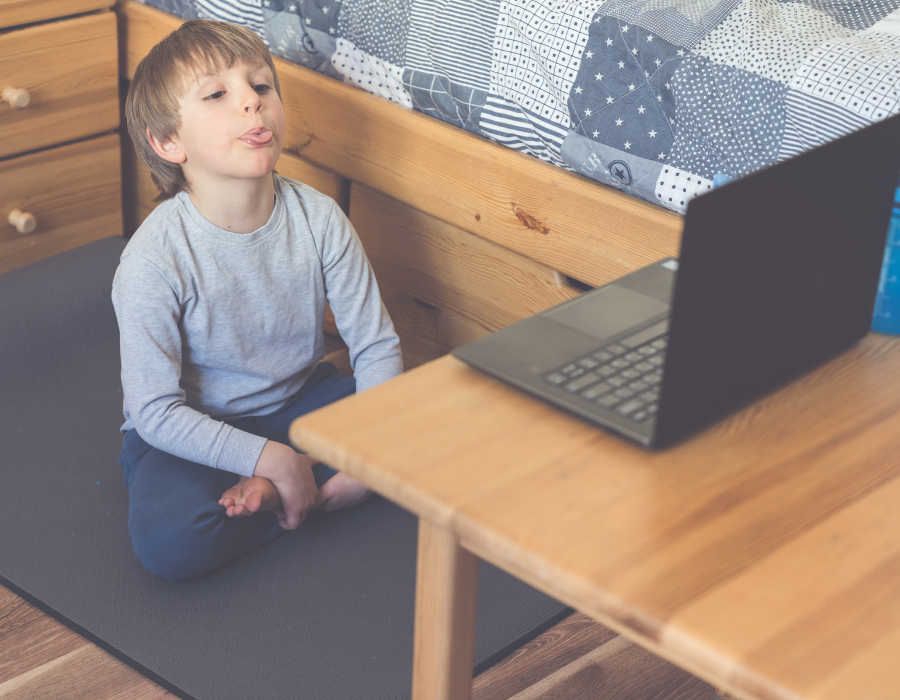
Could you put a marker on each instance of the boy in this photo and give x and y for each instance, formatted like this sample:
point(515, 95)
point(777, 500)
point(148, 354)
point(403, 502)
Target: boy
point(220, 297)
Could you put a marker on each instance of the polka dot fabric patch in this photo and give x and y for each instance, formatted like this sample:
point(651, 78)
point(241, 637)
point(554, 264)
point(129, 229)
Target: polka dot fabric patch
point(370, 73)
point(853, 14)
point(727, 120)
point(377, 27)
point(770, 38)
point(676, 187)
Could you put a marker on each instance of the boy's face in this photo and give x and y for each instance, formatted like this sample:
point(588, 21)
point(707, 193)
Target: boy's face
point(232, 125)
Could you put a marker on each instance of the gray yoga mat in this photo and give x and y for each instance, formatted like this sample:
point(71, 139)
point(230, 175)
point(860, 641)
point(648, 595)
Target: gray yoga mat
point(323, 612)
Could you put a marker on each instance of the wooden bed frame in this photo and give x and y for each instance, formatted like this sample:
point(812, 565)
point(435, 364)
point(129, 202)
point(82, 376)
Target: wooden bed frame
point(465, 235)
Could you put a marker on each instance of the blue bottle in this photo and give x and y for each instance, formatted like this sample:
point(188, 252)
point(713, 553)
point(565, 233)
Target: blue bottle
point(886, 318)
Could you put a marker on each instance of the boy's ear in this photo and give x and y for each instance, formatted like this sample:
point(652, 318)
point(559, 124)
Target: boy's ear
point(169, 149)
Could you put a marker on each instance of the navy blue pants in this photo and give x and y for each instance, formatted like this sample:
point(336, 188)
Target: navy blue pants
point(177, 527)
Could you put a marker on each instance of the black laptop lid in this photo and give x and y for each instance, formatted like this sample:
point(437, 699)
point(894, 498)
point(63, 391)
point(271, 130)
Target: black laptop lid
point(793, 255)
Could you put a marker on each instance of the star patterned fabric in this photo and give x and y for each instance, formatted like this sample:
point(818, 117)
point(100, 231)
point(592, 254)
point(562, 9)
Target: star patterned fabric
point(622, 96)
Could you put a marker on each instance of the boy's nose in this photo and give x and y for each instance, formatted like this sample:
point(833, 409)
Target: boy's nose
point(252, 101)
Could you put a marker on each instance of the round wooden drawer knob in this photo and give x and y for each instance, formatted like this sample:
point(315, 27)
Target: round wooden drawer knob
point(17, 97)
point(22, 220)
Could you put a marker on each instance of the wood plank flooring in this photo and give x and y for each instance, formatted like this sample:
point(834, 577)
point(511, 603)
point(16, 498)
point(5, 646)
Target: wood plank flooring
point(42, 659)
point(578, 659)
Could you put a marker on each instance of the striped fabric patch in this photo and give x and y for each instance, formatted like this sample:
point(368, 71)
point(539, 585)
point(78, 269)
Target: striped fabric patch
point(507, 123)
point(453, 39)
point(244, 12)
point(811, 121)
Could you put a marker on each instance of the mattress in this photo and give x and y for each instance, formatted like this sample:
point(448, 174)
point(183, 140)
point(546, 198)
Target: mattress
point(660, 98)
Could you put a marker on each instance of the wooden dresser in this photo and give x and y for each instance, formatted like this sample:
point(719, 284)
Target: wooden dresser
point(60, 183)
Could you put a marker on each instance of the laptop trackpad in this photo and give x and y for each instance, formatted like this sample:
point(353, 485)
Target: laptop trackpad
point(608, 311)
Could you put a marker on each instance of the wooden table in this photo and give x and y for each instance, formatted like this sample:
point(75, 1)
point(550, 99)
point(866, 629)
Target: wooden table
point(762, 555)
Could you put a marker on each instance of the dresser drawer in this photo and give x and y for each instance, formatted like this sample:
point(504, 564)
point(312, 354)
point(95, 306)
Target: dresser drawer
point(69, 70)
point(14, 12)
point(72, 191)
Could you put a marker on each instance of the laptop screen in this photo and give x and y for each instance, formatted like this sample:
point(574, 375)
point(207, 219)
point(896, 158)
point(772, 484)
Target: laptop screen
point(778, 272)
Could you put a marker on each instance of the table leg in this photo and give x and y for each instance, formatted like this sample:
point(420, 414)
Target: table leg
point(446, 596)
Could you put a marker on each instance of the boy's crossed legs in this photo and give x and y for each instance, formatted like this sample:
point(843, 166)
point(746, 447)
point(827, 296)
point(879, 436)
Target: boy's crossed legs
point(179, 517)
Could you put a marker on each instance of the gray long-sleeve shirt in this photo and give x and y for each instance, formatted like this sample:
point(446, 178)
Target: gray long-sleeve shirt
point(217, 325)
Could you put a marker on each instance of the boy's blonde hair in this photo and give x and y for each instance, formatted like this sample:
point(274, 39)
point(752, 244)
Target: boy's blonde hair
point(160, 80)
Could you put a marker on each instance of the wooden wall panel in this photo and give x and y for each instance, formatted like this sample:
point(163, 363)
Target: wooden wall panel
point(325, 181)
point(426, 332)
point(449, 268)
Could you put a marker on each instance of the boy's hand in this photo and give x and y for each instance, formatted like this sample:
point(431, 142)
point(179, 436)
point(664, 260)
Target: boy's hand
point(292, 475)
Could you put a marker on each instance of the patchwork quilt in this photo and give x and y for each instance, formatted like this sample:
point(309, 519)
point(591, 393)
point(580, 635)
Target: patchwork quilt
point(659, 98)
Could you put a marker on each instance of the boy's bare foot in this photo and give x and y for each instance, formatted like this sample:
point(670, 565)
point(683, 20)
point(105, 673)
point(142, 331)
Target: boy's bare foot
point(291, 474)
point(341, 491)
point(250, 495)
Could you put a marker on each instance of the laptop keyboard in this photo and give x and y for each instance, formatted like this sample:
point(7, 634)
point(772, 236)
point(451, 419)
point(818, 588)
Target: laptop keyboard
point(619, 378)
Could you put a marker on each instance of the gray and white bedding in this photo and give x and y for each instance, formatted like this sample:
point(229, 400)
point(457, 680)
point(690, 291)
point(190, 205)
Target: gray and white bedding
point(659, 98)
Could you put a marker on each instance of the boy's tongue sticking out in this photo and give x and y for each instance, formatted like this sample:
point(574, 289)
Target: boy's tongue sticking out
point(259, 136)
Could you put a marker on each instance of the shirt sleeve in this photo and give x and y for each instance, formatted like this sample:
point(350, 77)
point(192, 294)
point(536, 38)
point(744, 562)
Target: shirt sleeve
point(359, 313)
point(148, 311)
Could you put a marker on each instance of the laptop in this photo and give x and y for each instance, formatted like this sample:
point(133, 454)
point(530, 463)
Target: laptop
point(777, 273)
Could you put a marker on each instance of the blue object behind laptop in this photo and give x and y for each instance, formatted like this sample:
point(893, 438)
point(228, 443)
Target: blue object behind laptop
point(887, 304)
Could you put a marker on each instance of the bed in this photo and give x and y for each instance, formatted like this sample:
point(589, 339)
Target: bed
point(501, 156)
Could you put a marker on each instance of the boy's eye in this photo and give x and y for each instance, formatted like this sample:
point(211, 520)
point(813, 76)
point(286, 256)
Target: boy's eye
point(262, 88)
point(215, 95)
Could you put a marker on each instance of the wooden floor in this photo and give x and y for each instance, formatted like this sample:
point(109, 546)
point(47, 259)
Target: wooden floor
point(41, 659)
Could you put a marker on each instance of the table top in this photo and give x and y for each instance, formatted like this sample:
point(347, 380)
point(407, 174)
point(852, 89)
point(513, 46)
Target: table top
point(762, 554)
